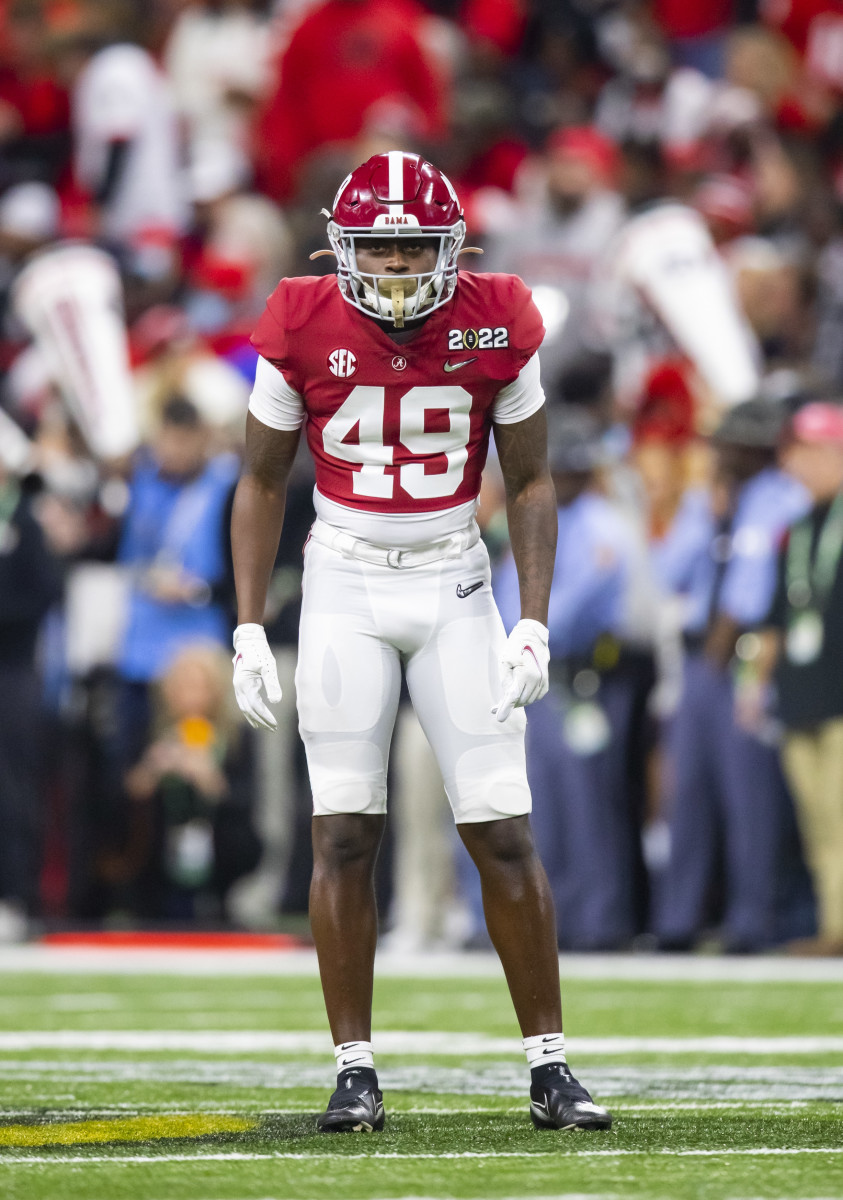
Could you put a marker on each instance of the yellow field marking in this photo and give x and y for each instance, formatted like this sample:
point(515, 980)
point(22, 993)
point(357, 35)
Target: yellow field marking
point(124, 1129)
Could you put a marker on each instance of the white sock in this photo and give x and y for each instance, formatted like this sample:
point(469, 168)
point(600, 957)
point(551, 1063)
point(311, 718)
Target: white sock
point(354, 1054)
point(544, 1048)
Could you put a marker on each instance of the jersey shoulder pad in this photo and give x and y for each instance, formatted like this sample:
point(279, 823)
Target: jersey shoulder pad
point(506, 300)
point(292, 306)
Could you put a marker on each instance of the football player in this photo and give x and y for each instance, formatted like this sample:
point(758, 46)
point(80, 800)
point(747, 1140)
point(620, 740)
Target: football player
point(399, 368)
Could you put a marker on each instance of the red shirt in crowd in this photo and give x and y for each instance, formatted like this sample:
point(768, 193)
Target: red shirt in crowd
point(345, 56)
point(692, 18)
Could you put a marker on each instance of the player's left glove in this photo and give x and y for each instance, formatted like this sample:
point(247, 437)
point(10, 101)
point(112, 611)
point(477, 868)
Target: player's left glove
point(254, 667)
point(524, 666)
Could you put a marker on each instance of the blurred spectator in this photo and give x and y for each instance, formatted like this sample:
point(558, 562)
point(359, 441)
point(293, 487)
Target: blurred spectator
point(814, 29)
point(190, 830)
point(696, 30)
point(344, 57)
point(725, 791)
point(29, 584)
point(34, 107)
point(244, 247)
point(803, 646)
point(173, 542)
point(217, 60)
point(483, 153)
point(771, 292)
point(555, 240)
point(664, 446)
point(127, 155)
point(172, 360)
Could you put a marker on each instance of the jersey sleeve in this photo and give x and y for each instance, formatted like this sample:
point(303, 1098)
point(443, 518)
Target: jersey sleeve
point(521, 398)
point(527, 329)
point(273, 401)
point(269, 337)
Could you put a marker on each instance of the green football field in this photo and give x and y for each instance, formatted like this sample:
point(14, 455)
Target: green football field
point(185, 1076)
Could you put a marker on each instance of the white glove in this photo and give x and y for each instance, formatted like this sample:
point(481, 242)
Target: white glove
point(524, 666)
point(254, 664)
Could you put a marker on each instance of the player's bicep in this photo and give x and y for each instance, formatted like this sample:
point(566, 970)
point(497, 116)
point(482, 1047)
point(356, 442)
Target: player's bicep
point(269, 453)
point(522, 451)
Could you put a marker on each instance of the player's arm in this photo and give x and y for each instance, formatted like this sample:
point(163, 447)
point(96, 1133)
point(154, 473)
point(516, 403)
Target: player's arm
point(531, 515)
point(256, 519)
point(530, 509)
point(258, 513)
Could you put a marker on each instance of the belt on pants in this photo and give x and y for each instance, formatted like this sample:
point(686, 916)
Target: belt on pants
point(351, 547)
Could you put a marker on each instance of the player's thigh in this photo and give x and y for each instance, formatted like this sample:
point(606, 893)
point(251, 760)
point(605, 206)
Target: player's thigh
point(454, 682)
point(347, 687)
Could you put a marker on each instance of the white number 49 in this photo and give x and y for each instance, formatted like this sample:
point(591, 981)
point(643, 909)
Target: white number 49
point(365, 409)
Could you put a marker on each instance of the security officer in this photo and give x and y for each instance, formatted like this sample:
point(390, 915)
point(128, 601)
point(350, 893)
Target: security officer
point(579, 737)
point(728, 796)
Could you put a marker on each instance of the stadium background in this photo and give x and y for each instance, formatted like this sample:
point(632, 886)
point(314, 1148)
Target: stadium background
point(161, 166)
point(195, 145)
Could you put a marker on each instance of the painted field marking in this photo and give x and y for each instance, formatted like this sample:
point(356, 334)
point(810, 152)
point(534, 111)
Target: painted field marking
point(56, 960)
point(655, 1084)
point(239, 1156)
point(415, 1043)
point(123, 1129)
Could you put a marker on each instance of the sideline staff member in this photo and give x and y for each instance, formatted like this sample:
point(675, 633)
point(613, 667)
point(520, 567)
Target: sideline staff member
point(802, 651)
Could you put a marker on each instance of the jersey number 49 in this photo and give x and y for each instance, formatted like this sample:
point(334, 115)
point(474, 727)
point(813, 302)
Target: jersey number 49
point(365, 408)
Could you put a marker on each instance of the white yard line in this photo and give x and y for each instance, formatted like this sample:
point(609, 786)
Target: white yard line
point(667, 968)
point(403, 1042)
point(106, 1112)
point(238, 1156)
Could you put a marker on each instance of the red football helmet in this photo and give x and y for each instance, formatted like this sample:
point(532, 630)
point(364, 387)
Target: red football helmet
point(396, 195)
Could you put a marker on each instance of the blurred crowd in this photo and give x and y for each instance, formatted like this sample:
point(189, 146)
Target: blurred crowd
point(668, 178)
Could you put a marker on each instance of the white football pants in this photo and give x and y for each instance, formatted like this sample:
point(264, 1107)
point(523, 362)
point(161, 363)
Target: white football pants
point(360, 622)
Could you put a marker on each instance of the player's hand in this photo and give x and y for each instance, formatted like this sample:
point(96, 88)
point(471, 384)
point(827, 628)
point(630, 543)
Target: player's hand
point(524, 666)
point(254, 667)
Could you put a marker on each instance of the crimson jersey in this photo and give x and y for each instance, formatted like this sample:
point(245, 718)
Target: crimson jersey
point(399, 428)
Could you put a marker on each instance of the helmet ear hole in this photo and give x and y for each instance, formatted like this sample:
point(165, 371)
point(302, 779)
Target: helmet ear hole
point(396, 195)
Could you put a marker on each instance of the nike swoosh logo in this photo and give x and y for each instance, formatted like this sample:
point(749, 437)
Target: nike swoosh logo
point(463, 592)
point(540, 1104)
point(550, 1050)
point(346, 1061)
point(347, 1045)
point(544, 1039)
point(449, 366)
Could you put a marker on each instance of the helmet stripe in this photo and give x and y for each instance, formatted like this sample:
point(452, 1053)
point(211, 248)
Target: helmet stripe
point(396, 179)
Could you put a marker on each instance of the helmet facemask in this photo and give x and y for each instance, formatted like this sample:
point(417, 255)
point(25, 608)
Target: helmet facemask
point(393, 297)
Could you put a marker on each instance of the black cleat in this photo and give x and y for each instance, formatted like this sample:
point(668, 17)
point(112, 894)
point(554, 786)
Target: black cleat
point(559, 1102)
point(356, 1106)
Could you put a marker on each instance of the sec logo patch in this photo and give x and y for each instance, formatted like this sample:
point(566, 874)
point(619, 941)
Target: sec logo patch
point(342, 363)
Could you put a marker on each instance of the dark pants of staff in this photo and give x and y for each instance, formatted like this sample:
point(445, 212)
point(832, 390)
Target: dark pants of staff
point(21, 785)
point(731, 821)
point(587, 813)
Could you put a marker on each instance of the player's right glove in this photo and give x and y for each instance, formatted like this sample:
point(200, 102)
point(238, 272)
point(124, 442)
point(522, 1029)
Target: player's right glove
point(524, 667)
point(254, 667)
